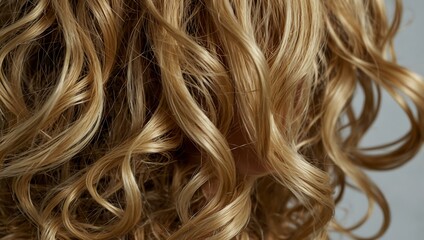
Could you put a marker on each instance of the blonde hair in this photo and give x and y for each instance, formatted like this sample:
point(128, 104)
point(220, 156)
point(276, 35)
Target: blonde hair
point(117, 117)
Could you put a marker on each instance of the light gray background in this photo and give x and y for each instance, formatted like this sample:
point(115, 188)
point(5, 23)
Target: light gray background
point(403, 187)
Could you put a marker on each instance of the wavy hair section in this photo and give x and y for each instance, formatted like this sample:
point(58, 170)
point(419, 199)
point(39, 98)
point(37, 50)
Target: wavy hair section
point(194, 119)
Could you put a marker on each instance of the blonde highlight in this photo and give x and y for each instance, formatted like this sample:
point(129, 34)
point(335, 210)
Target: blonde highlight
point(223, 119)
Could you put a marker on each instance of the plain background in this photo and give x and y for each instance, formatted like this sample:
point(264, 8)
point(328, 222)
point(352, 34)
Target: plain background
point(403, 187)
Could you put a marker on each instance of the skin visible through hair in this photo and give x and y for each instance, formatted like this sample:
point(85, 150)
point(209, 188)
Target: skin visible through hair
point(220, 119)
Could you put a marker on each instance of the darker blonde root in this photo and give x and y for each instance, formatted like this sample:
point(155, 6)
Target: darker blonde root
point(145, 119)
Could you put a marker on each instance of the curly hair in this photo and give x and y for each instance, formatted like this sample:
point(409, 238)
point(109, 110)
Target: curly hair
point(215, 119)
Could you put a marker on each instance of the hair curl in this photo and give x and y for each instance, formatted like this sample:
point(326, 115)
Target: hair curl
point(220, 119)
